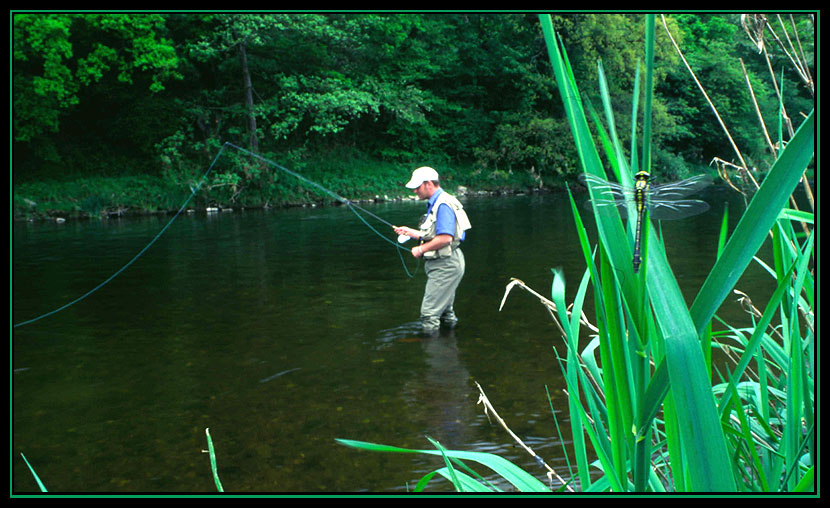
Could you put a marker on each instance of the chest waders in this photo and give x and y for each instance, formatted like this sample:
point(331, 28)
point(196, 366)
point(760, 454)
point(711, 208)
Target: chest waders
point(444, 267)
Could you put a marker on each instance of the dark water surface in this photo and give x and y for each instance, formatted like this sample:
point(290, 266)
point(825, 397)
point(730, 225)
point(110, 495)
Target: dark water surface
point(282, 330)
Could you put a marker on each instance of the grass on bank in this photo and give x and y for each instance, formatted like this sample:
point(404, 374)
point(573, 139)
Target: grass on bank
point(237, 183)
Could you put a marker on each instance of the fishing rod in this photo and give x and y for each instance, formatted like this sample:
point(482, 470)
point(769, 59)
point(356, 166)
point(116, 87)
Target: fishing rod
point(354, 207)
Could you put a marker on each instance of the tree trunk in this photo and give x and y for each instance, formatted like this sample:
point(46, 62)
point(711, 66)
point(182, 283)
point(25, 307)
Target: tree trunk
point(253, 145)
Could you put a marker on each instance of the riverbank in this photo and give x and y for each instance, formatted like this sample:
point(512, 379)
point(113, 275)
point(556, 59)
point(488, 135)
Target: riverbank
point(104, 197)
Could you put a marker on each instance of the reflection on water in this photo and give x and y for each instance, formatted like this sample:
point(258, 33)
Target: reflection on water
point(442, 393)
point(281, 331)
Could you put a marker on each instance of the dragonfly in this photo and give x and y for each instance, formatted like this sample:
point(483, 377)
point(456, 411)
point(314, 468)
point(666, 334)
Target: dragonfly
point(662, 201)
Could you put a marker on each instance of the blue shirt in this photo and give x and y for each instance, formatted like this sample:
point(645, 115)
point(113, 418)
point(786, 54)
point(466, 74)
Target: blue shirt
point(444, 217)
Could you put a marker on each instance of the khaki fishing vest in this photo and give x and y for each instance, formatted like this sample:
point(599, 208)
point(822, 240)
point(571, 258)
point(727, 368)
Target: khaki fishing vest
point(428, 225)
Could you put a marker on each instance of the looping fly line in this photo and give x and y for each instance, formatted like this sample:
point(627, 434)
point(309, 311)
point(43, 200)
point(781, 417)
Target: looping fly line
point(356, 209)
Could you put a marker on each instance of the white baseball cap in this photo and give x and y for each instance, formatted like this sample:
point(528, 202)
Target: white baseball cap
point(421, 175)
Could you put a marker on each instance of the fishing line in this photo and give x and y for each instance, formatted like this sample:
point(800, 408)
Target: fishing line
point(352, 206)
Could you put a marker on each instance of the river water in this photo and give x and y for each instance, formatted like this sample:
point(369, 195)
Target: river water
point(282, 330)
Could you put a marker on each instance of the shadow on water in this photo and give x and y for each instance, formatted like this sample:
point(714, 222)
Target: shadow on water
point(281, 331)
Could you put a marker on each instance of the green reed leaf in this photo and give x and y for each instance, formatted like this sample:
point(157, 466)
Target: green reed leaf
point(213, 467)
point(32, 470)
point(523, 481)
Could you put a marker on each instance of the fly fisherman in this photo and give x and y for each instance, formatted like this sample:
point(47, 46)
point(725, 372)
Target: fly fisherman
point(440, 234)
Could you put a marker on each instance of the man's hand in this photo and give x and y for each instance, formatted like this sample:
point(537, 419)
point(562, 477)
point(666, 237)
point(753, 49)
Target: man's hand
point(403, 230)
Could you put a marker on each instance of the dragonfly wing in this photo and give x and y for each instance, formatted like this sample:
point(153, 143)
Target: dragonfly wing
point(608, 194)
point(600, 185)
point(677, 190)
point(622, 204)
point(663, 200)
point(677, 209)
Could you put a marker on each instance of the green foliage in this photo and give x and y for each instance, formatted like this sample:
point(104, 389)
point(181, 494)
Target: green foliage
point(715, 47)
point(56, 55)
point(539, 145)
point(157, 94)
point(38, 98)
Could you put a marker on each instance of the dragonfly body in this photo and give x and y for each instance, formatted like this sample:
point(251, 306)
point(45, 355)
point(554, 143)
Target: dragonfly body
point(662, 202)
point(641, 186)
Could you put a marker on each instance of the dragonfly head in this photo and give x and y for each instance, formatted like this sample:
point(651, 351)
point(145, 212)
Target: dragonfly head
point(641, 179)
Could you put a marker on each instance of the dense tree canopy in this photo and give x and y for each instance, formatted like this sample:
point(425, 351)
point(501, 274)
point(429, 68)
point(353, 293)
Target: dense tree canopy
point(155, 94)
